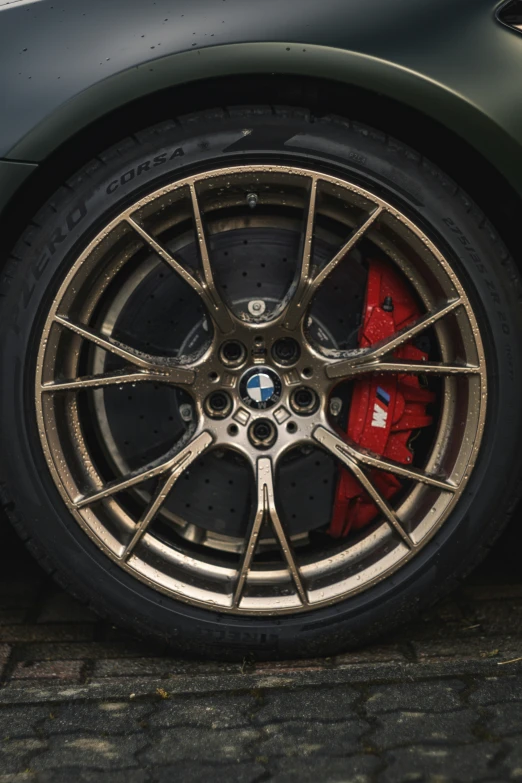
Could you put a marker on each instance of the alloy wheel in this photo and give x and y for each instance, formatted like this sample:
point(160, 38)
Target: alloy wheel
point(251, 387)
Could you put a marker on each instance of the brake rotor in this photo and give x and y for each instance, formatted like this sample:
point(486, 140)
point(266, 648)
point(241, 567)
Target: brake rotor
point(252, 264)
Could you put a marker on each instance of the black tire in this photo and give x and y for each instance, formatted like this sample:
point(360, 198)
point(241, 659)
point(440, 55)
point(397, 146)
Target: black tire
point(140, 163)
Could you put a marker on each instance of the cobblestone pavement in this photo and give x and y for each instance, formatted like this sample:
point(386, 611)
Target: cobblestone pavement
point(439, 701)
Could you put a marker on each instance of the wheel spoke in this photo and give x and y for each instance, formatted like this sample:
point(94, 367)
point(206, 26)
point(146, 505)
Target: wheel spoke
point(295, 299)
point(406, 367)
point(166, 256)
point(155, 365)
point(307, 288)
point(332, 445)
point(105, 379)
point(189, 452)
point(266, 510)
point(362, 361)
point(183, 460)
point(250, 548)
point(219, 312)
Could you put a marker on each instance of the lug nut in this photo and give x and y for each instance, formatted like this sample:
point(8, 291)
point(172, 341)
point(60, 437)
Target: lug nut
point(304, 401)
point(262, 433)
point(232, 353)
point(286, 351)
point(218, 405)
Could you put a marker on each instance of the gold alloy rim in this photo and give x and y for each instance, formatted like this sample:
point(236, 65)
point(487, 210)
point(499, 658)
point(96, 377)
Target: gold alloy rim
point(298, 583)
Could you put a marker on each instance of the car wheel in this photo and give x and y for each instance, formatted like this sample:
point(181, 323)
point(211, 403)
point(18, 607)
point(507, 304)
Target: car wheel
point(261, 380)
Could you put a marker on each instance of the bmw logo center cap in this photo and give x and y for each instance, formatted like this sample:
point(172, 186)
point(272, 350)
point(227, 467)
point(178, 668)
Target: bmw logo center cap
point(260, 388)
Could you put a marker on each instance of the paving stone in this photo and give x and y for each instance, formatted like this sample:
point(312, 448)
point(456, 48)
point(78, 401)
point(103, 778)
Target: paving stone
point(418, 728)
point(93, 776)
point(5, 652)
point(305, 703)
point(16, 755)
point(47, 633)
point(353, 769)
point(307, 738)
point(157, 667)
point(376, 653)
point(133, 667)
point(19, 721)
point(469, 649)
point(466, 764)
point(196, 772)
point(18, 777)
point(201, 744)
point(281, 667)
point(504, 720)
point(103, 717)
point(214, 712)
point(48, 670)
point(40, 651)
point(435, 695)
point(86, 752)
point(513, 761)
point(497, 690)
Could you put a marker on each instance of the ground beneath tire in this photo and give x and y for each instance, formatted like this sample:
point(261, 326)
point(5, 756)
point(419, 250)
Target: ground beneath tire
point(439, 701)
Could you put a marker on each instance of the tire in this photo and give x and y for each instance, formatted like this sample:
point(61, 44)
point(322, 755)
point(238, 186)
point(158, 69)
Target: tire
point(151, 159)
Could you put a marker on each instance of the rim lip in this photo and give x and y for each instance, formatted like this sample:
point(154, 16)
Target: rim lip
point(359, 191)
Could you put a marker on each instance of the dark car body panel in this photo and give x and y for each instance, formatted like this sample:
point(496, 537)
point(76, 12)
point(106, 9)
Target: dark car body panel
point(66, 65)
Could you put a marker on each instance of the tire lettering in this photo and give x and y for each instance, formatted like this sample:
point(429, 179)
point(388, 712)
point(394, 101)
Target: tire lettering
point(159, 159)
point(145, 165)
point(74, 217)
point(237, 637)
point(57, 238)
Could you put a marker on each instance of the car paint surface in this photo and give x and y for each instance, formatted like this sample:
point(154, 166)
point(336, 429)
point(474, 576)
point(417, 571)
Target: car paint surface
point(64, 65)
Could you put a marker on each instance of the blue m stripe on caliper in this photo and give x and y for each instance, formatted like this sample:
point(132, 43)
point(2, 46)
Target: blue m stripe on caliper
point(383, 396)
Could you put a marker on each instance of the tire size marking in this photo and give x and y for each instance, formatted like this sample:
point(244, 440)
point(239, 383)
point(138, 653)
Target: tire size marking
point(504, 325)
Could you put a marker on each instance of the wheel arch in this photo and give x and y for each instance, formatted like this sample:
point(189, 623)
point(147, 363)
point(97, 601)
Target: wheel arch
point(380, 94)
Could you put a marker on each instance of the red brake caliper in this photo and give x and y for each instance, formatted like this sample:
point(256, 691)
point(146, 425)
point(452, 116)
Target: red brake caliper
point(385, 410)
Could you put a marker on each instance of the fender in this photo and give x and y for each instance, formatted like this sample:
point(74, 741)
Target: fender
point(445, 58)
point(472, 121)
